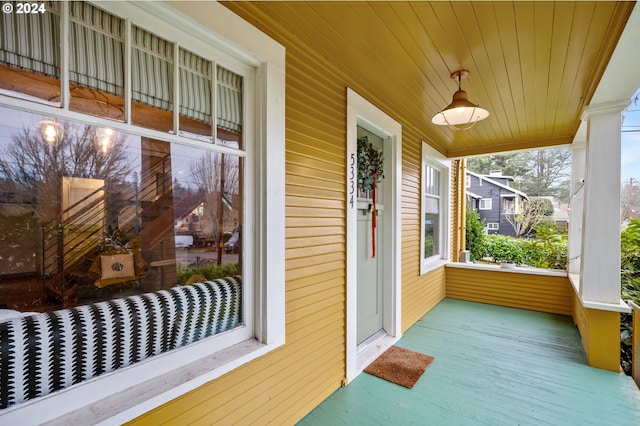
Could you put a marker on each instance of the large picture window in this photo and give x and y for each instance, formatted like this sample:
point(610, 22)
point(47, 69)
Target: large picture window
point(74, 195)
point(127, 174)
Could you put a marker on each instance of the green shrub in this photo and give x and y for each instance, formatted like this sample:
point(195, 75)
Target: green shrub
point(210, 272)
point(549, 249)
point(475, 235)
point(630, 280)
point(630, 255)
point(505, 249)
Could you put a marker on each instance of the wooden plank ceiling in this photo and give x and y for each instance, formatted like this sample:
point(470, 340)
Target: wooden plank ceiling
point(534, 64)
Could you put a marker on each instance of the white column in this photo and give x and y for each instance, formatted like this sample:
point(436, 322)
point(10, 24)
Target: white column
point(600, 259)
point(574, 251)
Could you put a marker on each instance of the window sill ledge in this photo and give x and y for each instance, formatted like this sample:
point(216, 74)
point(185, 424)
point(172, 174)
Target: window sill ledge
point(517, 270)
point(432, 265)
point(111, 399)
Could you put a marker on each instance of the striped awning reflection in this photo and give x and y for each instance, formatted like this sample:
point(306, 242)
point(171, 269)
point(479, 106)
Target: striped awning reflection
point(30, 42)
point(96, 61)
point(151, 69)
point(229, 102)
point(96, 57)
point(195, 86)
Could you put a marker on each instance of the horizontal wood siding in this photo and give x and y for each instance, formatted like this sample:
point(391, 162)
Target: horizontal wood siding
point(635, 344)
point(420, 295)
point(283, 386)
point(600, 334)
point(582, 321)
point(543, 293)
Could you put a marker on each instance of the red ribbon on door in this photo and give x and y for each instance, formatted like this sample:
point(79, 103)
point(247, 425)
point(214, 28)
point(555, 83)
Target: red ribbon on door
point(373, 220)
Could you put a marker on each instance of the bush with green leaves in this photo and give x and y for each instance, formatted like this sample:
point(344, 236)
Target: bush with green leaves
point(630, 259)
point(475, 235)
point(549, 249)
point(210, 272)
point(630, 280)
point(502, 248)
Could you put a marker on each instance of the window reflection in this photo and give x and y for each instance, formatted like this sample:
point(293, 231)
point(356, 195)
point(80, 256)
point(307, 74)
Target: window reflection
point(89, 213)
point(431, 212)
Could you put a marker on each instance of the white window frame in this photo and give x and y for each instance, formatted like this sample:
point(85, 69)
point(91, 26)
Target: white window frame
point(507, 200)
point(127, 393)
point(436, 160)
point(467, 181)
point(493, 226)
point(487, 201)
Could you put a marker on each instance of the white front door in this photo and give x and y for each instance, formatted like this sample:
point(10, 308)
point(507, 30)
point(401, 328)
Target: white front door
point(370, 274)
point(370, 254)
point(373, 283)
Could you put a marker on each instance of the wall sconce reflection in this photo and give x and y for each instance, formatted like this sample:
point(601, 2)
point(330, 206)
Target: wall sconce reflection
point(51, 131)
point(104, 139)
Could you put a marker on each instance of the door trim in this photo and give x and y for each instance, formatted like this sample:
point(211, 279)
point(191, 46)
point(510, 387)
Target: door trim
point(361, 112)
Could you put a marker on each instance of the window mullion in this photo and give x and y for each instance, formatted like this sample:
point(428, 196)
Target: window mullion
point(214, 101)
point(65, 92)
point(128, 51)
point(176, 88)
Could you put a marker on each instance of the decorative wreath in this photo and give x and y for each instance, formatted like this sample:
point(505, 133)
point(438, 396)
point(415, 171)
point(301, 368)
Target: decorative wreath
point(370, 165)
point(370, 172)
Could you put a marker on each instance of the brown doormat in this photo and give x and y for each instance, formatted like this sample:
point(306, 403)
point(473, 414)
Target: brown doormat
point(399, 365)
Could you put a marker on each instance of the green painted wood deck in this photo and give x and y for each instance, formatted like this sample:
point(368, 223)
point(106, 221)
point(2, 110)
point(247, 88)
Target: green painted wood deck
point(493, 366)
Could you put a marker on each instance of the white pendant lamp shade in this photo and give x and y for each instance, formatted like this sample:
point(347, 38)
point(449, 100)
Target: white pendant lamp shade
point(460, 114)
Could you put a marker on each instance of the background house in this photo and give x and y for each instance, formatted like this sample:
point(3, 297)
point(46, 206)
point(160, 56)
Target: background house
point(493, 198)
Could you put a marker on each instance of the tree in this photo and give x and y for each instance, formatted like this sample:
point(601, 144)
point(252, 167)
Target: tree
point(217, 176)
point(547, 170)
point(36, 160)
point(509, 164)
point(77, 152)
point(542, 172)
point(532, 212)
point(630, 199)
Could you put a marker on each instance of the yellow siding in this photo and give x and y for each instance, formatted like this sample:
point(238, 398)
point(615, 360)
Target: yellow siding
point(580, 319)
point(517, 290)
point(420, 295)
point(283, 386)
point(636, 343)
point(600, 333)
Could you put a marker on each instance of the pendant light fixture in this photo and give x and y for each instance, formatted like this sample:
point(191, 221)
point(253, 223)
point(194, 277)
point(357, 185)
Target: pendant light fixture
point(460, 114)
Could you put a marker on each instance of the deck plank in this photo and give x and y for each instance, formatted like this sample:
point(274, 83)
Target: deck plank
point(493, 366)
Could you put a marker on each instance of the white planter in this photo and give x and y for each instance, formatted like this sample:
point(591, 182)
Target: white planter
point(507, 265)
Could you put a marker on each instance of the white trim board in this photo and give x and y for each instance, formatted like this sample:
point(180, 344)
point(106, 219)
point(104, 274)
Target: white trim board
point(361, 112)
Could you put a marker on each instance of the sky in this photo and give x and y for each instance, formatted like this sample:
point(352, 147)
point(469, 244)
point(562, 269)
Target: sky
point(631, 141)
